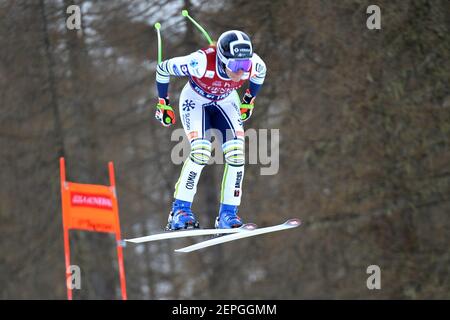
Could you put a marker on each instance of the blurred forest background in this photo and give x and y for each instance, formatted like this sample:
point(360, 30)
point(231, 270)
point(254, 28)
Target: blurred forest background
point(364, 119)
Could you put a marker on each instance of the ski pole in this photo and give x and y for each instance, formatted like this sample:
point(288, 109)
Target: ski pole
point(157, 27)
point(185, 13)
point(167, 120)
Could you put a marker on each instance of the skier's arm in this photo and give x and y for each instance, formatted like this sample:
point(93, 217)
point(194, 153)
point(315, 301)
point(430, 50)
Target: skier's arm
point(190, 65)
point(256, 80)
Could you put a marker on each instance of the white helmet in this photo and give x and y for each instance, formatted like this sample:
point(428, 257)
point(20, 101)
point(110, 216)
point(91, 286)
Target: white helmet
point(234, 50)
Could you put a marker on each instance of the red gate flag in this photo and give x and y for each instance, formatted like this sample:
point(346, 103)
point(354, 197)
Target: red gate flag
point(94, 208)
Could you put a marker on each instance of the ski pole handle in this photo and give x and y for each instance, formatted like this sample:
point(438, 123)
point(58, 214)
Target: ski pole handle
point(157, 27)
point(185, 13)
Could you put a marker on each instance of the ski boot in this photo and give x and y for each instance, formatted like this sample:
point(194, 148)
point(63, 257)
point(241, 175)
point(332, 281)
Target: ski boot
point(228, 217)
point(181, 216)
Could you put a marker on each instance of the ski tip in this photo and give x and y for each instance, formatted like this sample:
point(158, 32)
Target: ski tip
point(295, 222)
point(184, 13)
point(157, 26)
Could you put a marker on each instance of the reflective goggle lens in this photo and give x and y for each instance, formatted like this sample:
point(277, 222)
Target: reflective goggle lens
point(236, 65)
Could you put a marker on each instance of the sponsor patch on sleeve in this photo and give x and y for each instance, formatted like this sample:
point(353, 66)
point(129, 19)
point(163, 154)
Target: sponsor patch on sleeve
point(176, 71)
point(184, 69)
point(193, 63)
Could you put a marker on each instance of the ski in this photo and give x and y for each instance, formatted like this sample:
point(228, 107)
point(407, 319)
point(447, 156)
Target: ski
point(191, 233)
point(291, 223)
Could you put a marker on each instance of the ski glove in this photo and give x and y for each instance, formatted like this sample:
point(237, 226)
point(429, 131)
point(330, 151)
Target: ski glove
point(247, 106)
point(164, 112)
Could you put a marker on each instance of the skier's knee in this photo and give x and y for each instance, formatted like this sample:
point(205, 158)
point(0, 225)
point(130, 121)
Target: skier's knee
point(233, 151)
point(200, 151)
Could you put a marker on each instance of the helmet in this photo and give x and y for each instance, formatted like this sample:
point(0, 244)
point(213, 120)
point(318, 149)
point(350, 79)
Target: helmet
point(234, 50)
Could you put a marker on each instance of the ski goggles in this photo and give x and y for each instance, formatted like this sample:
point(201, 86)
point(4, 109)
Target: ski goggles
point(239, 64)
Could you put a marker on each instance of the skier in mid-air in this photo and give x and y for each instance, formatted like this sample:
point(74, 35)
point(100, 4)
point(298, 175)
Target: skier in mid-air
point(210, 101)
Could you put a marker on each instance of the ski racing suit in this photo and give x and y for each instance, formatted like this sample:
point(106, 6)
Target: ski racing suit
point(209, 100)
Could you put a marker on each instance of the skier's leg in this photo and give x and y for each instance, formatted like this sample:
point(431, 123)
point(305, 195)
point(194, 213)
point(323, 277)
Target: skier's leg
point(228, 121)
point(194, 123)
